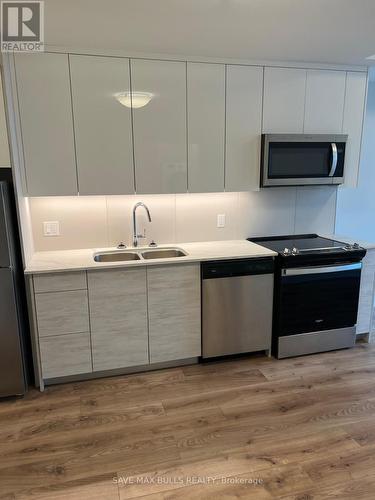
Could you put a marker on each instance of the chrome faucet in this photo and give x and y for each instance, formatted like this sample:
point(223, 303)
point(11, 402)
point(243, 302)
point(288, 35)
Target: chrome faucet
point(136, 236)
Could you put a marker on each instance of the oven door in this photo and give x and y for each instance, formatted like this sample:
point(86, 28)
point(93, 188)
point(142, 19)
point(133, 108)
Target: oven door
point(289, 160)
point(318, 298)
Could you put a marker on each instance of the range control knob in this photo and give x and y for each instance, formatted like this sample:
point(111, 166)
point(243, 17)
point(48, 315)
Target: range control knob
point(286, 251)
point(356, 246)
point(348, 247)
point(295, 251)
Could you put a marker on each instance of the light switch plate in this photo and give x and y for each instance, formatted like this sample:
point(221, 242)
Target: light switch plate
point(51, 228)
point(220, 220)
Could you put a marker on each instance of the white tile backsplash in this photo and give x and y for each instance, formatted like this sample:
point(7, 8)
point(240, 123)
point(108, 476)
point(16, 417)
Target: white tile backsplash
point(315, 209)
point(99, 221)
point(269, 212)
point(196, 216)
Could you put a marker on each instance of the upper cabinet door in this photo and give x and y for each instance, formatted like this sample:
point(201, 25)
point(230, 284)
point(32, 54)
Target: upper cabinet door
point(160, 126)
point(284, 100)
point(243, 127)
point(325, 96)
point(102, 124)
point(355, 97)
point(47, 125)
point(206, 126)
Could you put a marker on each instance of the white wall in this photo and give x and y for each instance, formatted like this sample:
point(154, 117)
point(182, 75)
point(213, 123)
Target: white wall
point(100, 221)
point(356, 207)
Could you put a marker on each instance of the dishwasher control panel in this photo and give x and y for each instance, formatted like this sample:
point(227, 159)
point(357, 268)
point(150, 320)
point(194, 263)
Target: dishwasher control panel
point(237, 267)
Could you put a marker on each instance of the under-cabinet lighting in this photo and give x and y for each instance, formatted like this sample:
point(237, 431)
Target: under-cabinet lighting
point(371, 57)
point(134, 99)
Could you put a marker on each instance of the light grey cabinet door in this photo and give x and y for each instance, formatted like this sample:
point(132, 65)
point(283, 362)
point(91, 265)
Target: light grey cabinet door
point(102, 125)
point(174, 309)
point(160, 126)
point(366, 294)
point(324, 106)
point(243, 127)
point(61, 313)
point(118, 316)
point(284, 100)
point(355, 97)
point(45, 107)
point(65, 355)
point(206, 127)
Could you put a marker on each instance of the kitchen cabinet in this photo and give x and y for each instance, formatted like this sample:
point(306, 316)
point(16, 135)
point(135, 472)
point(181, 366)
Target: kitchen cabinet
point(61, 313)
point(62, 322)
point(160, 126)
point(354, 109)
point(284, 100)
point(206, 127)
point(244, 86)
point(174, 312)
point(102, 125)
point(366, 294)
point(324, 105)
point(118, 316)
point(65, 355)
point(45, 110)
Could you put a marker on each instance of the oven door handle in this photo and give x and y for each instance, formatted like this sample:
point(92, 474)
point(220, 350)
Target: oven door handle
point(334, 160)
point(320, 270)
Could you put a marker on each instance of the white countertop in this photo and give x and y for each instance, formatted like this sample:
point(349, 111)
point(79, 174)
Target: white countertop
point(74, 260)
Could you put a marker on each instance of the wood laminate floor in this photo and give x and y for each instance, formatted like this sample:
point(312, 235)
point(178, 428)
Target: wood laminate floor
point(256, 428)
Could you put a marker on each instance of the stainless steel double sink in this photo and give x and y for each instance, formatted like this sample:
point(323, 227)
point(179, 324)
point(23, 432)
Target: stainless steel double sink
point(130, 255)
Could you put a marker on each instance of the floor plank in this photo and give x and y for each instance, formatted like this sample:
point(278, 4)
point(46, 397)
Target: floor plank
point(252, 427)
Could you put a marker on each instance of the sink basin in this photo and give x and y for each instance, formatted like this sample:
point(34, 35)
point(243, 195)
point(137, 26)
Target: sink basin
point(116, 256)
point(163, 253)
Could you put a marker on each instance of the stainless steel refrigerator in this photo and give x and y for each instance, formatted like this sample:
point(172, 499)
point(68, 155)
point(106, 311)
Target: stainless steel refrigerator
point(13, 315)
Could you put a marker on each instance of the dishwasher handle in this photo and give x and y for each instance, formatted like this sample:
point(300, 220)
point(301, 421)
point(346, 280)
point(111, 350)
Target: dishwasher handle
point(237, 267)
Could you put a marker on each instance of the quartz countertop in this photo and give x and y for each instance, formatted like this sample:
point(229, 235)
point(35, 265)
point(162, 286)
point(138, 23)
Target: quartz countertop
point(82, 259)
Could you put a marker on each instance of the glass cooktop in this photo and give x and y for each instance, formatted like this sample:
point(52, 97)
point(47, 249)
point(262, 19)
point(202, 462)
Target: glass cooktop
point(302, 242)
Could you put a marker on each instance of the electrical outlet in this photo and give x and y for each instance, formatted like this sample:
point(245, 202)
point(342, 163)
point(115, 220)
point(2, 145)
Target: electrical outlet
point(220, 220)
point(51, 228)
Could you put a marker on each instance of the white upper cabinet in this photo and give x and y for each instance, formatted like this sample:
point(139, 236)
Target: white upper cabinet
point(325, 96)
point(243, 127)
point(160, 126)
point(206, 126)
point(102, 124)
point(284, 100)
point(355, 97)
point(46, 122)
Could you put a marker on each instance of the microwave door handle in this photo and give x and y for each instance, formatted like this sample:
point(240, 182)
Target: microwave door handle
point(334, 160)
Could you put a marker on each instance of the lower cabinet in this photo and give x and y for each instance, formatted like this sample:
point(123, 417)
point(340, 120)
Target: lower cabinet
point(174, 312)
point(366, 306)
point(117, 318)
point(118, 315)
point(65, 355)
point(62, 317)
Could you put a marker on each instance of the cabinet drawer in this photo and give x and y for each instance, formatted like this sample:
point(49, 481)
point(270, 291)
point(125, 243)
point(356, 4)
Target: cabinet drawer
point(59, 282)
point(60, 313)
point(65, 355)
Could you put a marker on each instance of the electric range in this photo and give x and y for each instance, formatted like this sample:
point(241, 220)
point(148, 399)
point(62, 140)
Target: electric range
point(316, 295)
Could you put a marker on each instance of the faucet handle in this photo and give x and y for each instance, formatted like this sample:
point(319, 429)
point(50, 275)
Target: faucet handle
point(121, 245)
point(153, 244)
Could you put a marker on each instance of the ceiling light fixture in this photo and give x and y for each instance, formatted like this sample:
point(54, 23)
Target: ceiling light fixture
point(134, 99)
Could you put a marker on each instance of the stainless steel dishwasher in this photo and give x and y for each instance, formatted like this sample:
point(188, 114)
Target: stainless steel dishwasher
point(237, 304)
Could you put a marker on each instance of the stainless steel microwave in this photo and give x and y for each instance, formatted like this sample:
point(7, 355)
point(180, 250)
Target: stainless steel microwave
point(302, 159)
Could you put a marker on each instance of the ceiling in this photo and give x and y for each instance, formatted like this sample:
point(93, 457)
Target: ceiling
point(322, 31)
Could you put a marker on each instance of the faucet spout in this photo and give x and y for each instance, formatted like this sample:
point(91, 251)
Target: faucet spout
point(136, 236)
